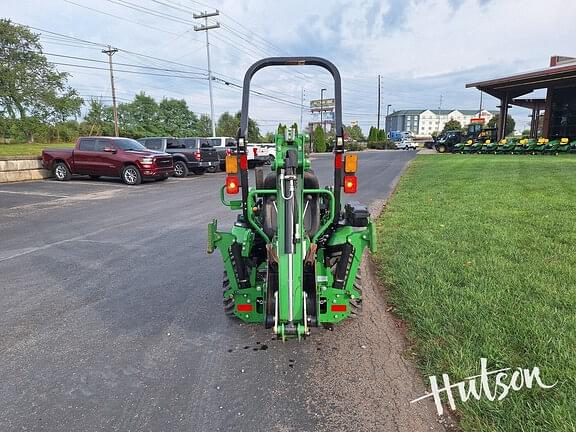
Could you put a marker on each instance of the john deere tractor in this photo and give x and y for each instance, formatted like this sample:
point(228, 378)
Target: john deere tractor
point(292, 257)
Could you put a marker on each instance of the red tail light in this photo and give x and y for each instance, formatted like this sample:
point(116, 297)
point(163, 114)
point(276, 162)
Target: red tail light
point(198, 155)
point(338, 308)
point(246, 307)
point(338, 161)
point(232, 186)
point(255, 151)
point(350, 184)
point(228, 152)
point(243, 162)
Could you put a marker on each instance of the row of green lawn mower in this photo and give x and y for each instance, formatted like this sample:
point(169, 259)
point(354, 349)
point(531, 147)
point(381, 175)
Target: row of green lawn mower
point(518, 146)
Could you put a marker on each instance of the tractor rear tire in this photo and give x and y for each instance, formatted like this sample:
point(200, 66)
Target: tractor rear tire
point(356, 303)
point(228, 302)
point(441, 148)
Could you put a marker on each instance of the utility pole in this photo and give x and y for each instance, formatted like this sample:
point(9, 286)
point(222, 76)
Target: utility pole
point(205, 28)
point(322, 109)
point(439, 113)
point(111, 51)
point(378, 122)
point(301, 110)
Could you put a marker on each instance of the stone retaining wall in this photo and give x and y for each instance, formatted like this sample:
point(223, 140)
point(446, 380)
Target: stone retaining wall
point(21, 168)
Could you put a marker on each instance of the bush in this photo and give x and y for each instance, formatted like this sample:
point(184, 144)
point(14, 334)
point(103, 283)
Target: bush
point(319, 140)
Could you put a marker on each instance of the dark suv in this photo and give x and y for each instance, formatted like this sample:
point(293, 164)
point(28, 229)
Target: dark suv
point(190, 154)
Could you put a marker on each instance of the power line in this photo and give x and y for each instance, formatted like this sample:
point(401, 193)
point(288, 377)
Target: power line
point(127, 71)
point(121, 18)
point(124, 64)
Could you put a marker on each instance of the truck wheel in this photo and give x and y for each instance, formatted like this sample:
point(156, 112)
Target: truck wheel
point(199, 171)
point(61, 172)
point(95, 177)
point(356, 303)
point(131, 175)
point(227, 302)
point(180, 169)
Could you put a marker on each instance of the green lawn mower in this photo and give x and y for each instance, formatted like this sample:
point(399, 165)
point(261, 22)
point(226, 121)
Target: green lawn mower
point(488, 147)
point(538, 147)
point(464, 147)
point(292, 258)
point(505, 146)
point(557, 146)
point(521, 146)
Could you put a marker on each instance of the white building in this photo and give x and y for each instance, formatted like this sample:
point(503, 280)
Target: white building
point(427, 121)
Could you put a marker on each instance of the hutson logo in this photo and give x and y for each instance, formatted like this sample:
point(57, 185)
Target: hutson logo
point(477, 386)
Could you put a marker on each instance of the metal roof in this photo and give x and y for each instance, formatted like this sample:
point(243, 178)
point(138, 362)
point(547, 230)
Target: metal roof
point(516, 85)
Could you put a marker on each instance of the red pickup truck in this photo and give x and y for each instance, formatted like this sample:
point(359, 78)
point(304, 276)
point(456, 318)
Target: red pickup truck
point(109, 156)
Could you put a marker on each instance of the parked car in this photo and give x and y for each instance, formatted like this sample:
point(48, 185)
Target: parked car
point(111, 157)
point(271, 149)
point(406, 144)
point(223, 146)
point(257, 154)
point(190, 154)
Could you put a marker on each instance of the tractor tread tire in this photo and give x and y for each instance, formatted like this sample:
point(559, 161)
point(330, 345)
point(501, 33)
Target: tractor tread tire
point(228, 302)
point(356, 303)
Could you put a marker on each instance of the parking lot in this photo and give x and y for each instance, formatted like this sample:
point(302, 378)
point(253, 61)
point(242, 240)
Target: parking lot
point(112, 319)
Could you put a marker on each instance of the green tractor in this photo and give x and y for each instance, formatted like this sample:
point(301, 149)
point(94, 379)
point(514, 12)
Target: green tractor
point(292, 257)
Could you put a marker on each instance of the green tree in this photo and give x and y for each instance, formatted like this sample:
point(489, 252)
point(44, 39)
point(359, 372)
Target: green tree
point(355, 133)
point(268, 138)
point(228, 125)
point(30, 86)
point(95, 120)
point(139, 118)
point(203, 126)
point(510, 123)
point(175, 119)
point(452, 125)
point(373, 134)
point(319, 140)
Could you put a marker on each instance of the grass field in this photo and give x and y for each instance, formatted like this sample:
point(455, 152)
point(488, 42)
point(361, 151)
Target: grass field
point(29, 149)
point(479, 255)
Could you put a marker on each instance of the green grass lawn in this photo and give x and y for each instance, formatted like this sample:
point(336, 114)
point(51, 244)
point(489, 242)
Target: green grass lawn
point(29, 149)
point(479, 254)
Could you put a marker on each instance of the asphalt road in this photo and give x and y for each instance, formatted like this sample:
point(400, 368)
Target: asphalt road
point(110, 312)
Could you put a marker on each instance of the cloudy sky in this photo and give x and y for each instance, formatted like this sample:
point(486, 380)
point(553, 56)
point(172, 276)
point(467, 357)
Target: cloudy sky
point(424, 49)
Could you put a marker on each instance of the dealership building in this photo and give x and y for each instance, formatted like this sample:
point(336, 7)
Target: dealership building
point(427, 121)
point(553, 116)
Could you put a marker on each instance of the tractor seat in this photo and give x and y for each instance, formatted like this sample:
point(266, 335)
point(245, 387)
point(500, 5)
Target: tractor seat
point(312, 215)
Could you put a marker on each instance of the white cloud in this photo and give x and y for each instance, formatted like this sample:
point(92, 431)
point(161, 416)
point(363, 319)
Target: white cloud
point(421, 47)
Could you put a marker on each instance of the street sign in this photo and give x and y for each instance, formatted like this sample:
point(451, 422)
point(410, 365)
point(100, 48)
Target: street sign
point(324, 103)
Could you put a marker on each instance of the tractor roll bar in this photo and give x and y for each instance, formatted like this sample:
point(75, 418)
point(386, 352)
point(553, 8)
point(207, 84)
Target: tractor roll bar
point(291, 61)
point(242, 132)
